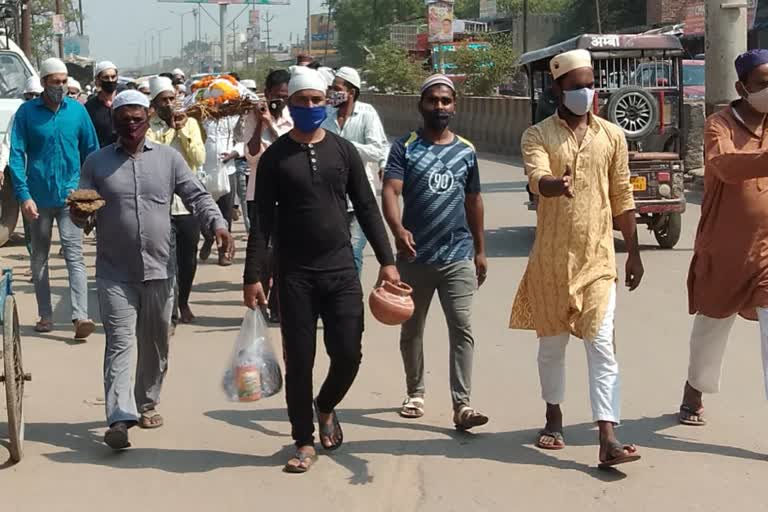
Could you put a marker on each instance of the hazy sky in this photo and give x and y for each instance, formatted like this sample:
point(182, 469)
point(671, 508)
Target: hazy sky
point(118, 28)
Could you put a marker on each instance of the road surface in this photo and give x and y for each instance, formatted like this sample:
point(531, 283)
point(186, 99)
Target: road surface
point(212, 453)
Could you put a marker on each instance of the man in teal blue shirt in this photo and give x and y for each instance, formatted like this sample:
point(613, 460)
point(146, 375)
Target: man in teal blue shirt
point(51, 137)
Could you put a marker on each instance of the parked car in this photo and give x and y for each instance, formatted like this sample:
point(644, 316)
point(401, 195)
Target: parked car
point(15, 68)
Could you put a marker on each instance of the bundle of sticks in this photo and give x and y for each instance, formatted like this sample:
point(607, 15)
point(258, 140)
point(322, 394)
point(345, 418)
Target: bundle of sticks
point(202, 110)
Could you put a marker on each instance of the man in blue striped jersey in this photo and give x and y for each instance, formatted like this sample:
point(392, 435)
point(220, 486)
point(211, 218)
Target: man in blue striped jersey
point(440, 242)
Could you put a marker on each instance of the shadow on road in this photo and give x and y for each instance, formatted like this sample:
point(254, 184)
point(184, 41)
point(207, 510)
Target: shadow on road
point(509, 242)
point(84, 445)
point(504, 186)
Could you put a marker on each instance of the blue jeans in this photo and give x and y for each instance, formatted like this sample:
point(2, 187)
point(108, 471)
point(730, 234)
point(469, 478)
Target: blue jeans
point(358, 240)
point(41, 231)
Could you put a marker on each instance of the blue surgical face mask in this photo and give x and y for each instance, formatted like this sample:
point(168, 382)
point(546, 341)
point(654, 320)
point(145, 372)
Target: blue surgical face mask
point(307, 119)
point(579, 101)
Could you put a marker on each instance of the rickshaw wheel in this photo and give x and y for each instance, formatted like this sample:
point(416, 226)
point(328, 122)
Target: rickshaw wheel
point(14, 378)
point(634, 110)
point(668, 232)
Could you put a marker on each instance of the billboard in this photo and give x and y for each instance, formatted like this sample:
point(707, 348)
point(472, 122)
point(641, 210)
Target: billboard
point(323, 28)
point(488, 9)
point(440, 22)
point(77, 45)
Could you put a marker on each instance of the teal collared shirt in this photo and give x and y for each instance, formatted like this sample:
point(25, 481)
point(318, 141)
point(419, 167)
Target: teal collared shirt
point(47, 150)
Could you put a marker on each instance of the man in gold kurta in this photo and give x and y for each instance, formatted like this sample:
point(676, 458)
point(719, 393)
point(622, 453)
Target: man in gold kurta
point(729, 271)
point(578, 165)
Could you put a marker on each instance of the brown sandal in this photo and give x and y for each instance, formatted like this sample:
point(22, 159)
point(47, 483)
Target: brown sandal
point(150, 419)
point(629, 454)
point(557, 437)
point(466, 418)
point(44, 326)
point(300, 463)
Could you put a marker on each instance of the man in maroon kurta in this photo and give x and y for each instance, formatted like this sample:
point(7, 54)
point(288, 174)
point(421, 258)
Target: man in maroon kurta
point(729, 271)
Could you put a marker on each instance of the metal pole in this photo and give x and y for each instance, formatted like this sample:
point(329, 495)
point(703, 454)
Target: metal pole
point(80, 10)
point(525, 26)
point(26, 28)
point(599, 21)
point(181, 48)
point(328, 33)
point(160, 51)
point(725, 38)
point(223, 36)
point(309, 30)
point(60, 38)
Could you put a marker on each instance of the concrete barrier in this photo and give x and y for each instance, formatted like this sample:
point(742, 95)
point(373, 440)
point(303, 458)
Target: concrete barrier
point(493, 125)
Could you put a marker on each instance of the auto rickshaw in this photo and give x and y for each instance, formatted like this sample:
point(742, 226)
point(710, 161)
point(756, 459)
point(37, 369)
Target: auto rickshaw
point(639, 87)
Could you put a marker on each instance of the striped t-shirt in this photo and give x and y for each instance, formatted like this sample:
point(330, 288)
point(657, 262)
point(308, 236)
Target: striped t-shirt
point(436, 179)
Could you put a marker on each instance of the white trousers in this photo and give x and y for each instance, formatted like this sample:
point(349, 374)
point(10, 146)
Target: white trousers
point(709, 337)
point(604, 386)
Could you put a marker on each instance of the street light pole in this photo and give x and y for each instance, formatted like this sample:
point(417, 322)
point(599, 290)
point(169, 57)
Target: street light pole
point(223, 35)
point(309, 30)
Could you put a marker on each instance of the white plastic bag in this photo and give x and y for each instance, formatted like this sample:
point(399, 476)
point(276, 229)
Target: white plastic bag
point(216, 181)
point(253, 372)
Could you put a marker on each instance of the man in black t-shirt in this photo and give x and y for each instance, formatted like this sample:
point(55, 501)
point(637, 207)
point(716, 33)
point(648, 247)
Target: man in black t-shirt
point(99, 107)
point(302, 182)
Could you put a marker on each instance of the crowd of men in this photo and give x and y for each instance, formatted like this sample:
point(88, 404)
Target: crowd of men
point(303, 169)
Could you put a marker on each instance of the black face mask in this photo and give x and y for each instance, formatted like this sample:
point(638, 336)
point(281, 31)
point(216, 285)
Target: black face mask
point(437, 120)
point(276, 107)
point(108, 87)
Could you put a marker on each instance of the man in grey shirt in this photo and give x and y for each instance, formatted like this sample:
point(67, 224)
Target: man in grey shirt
point(134, 268)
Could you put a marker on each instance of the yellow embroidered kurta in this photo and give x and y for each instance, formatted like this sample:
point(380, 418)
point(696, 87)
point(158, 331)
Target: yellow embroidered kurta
point(188, 141)
point(572, 266)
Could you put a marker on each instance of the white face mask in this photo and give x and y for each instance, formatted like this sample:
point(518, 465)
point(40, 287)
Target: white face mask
point(758, 100)
point(579, 101)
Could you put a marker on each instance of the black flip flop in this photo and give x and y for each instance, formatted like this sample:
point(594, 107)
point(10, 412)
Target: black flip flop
point(330, 431)
point(690, 411)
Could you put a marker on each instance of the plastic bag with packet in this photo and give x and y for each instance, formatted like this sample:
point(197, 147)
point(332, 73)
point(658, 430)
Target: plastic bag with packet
point(254, 372)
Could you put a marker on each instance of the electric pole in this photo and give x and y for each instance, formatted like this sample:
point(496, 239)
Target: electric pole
point(309, 30)
point(80, 11)
point(328, 31)
point(525, 26)
point(60, 38)
point(599, 22)
point(268, 19)
point(725, 39)
point(26, 28)
point(223, 36)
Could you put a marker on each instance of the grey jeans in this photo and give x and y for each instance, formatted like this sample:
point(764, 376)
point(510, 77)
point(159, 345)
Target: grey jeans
point(134, 315)
point(41, 232)
point(455, 285)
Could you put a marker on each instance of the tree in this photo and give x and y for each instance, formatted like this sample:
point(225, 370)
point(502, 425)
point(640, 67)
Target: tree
point(391, 70)
point(534, 6)
point(259, 71)
point(580, 16)
point(366, 23)
point(42, 37)
point(486, 68)
point(195, 50)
